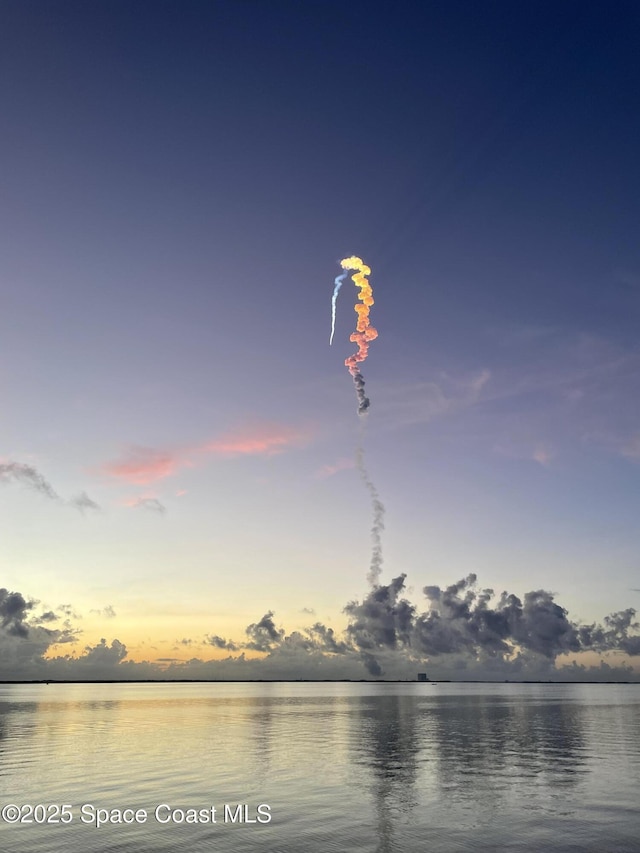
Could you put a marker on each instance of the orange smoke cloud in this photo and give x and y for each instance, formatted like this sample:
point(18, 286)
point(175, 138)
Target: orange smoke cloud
point(365, 332)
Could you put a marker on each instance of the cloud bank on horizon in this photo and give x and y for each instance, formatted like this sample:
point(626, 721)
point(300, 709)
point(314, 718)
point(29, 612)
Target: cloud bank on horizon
point(466, 633)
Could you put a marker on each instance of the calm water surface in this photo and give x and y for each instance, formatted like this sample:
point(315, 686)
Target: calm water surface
point(364, 767)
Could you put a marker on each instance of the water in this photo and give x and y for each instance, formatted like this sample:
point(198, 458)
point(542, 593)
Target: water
point(364, 767)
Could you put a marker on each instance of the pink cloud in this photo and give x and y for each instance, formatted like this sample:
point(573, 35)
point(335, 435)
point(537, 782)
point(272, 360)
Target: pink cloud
point(330, 470)
point(144, 465)
point(260, 440)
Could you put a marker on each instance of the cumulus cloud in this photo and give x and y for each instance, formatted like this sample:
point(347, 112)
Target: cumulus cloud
point(220, 643)
point(24, 639)
point(477, 626)
point(103, 654)
point(48, 616)
point(465, 632)
point(14, 610)
point(264, 635)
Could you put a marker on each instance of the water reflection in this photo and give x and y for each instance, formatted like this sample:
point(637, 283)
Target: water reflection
point(474, 754)
point(488, 743)
point(387, 741)
point(364, 767)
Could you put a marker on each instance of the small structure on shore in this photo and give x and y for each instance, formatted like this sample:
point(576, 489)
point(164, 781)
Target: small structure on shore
point(422, 676)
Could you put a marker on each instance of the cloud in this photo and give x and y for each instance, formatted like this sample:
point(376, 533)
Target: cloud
point(83, 502)
point(27, 476)
point(49, 616)
point(462, 620)
point(148, 503)
point(557, 388)
point(221, 643)
point(30, 477)
point(342, 464)
point(381, 620)
point(107, 612)
point(264, 635)
point(14, 610)
point(465, 633)
point(103, 654)
point(259, 440)
point(141, 466)
point(24, 639)
point(409, 404)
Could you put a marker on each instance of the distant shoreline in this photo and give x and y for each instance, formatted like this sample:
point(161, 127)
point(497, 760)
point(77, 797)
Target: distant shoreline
point(292, 681)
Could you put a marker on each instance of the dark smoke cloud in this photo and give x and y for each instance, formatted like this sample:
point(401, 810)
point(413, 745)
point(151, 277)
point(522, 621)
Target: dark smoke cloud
point(27, 476)
point(363, 401)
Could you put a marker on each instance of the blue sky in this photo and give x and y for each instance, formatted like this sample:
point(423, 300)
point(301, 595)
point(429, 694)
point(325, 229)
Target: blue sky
point(180, 183)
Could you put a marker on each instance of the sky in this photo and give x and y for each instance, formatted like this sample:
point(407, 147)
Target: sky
point(186, 486)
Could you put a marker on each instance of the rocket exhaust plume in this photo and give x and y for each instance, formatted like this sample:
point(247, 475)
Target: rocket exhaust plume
point(338, 284)
point(377, 527)
point(365, 333)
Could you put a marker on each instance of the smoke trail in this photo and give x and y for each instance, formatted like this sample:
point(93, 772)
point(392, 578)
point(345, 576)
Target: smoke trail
point(365, 332)
point(338, 284)
point(377, 527)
